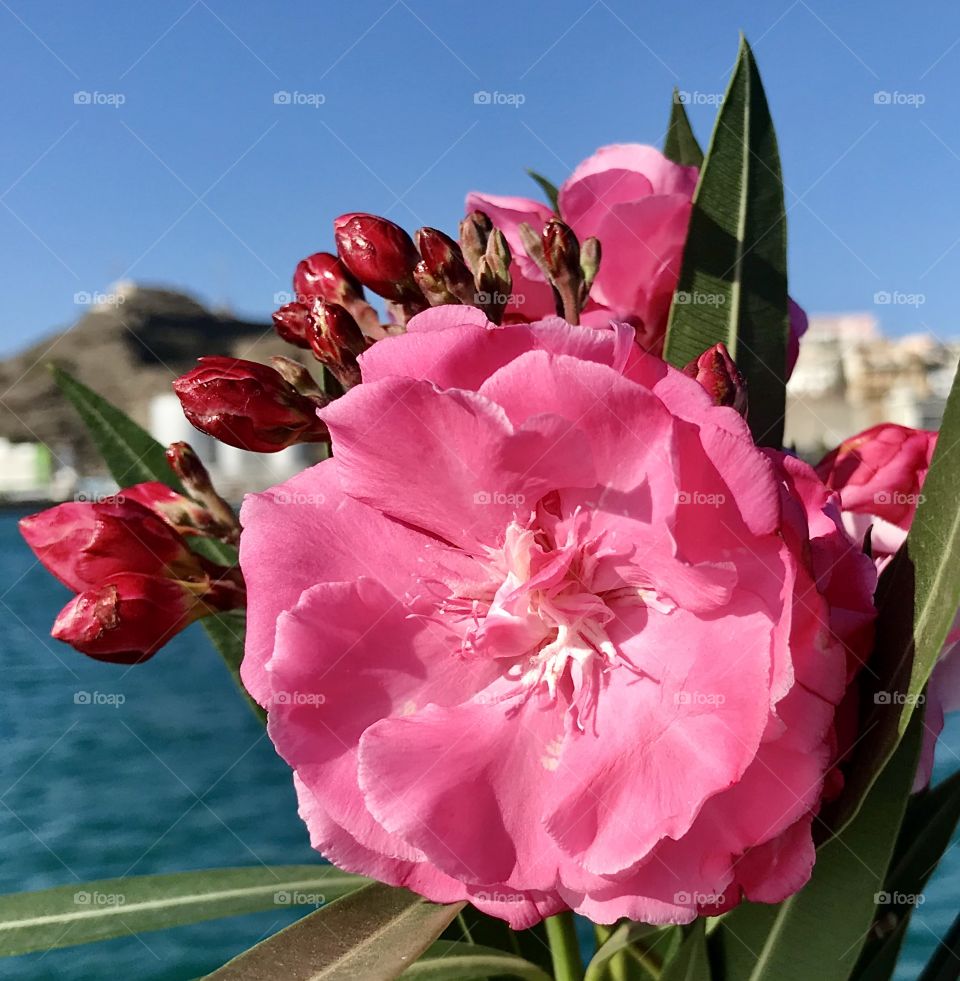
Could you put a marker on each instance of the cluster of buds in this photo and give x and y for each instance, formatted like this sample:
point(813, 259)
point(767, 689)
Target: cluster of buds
point(569, 266)
point(720, 377)
point(136, 580)
point(252, 406)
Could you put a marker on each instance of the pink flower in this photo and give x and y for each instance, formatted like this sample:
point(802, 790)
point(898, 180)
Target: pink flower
point(879, 475)
point(549, 631)
point(637, 202)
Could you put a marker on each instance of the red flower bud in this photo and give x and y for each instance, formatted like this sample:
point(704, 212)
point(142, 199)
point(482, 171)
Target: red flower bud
point(185, 516)
point(292, 323)
point(323, 276)
point(717, 373)
point(380, 254)
point(83, 544)
point(561, 251)
point(337, 342)
point(247, 405)
point(219, 518)
point(443, 268)
point(129, 618)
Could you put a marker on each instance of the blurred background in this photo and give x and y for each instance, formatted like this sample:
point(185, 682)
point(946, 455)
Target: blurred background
point(164, 168)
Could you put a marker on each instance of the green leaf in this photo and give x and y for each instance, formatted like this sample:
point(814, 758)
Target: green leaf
point(926, 834)
point(549, 189)
point(733, 280)
point(690, 963)
point(133, 456)
point(90, 911)
point(681, 145)
point(620, 941)
point(917, 598)
point(449, 960)
point(819, 931)
point(374, 933)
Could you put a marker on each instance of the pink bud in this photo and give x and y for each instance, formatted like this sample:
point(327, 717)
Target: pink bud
point(129, 618)
point(323, 276)
point(380, 254)
point(717, 373)
point(292, 323)
point(247, 405)
point(83, 544)
point(337, 341)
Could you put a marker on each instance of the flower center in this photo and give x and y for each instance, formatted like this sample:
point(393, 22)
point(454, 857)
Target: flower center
point(546, 611)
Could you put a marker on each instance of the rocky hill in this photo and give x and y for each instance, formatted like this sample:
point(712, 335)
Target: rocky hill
point(129, 347)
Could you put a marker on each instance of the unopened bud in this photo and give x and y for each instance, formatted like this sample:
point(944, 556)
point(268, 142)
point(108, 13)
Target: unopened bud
point(129, 618)
point(337, 342)
point(474, 231)
point(380, 254)
point(442, 275)
point(292, 324)
point(719, 376)
point(193, 475)
point(323, 276)
point(247, 405)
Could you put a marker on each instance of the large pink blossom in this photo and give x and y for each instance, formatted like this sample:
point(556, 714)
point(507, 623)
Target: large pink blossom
point(637, 203)
point(549, 631)
point(879, 476)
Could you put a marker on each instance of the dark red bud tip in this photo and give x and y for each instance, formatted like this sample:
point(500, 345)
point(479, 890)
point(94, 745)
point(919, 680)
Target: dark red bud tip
point(292, 323)
point(438, 250)
point(128, 619)
point(561, 250)
point(719, 376)
point(322, 275)
point(380, 254)
point(248, 405)
point(185, 463)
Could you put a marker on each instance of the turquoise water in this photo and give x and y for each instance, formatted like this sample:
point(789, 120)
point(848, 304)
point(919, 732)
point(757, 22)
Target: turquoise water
point(178, 776)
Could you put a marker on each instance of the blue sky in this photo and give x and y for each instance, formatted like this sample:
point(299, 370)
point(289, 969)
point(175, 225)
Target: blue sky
point(182, 169)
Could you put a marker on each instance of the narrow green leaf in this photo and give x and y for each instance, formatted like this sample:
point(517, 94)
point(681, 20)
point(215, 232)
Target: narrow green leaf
point(374, 933)
point(927, 830)
point(681, 145)
point(133, 456)
point(130, 452)
point(690, 963)
point(619, 941)
point(549, 189)
point(449, 960)
point(90, 911)
point(819, 932)
point(917, 597)
point(733, 281)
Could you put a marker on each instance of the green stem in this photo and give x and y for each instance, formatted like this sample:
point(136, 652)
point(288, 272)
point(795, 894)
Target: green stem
point(564, 947)
point(616, 968)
